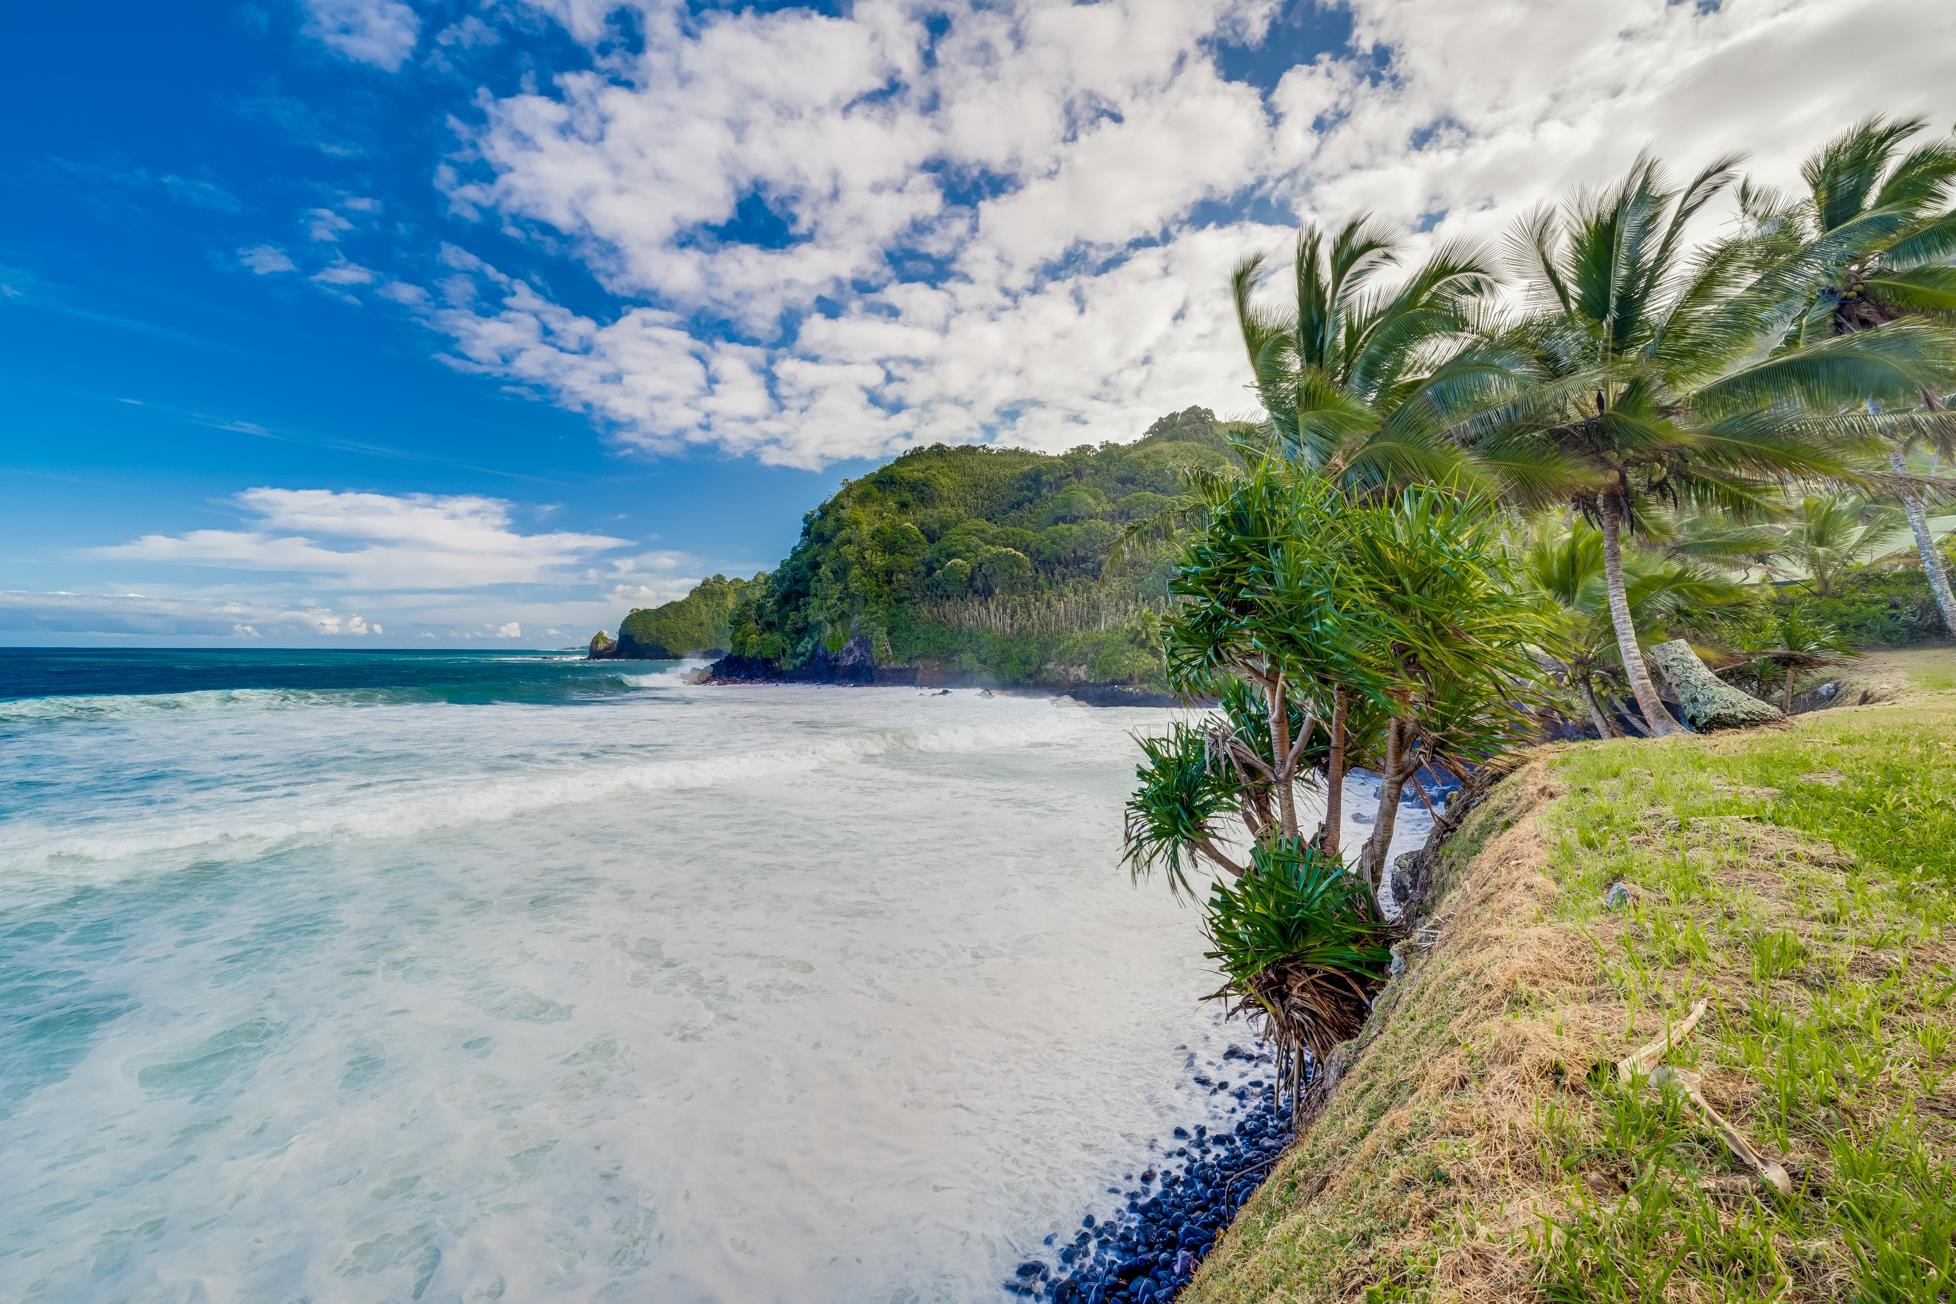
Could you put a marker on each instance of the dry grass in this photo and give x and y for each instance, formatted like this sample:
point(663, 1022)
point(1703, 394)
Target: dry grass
point(1478, 1147)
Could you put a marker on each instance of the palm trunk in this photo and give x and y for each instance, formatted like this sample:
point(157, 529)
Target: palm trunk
point(1634, 668)
point(1925, 546)
point(1604, 727)
point(1334, 779)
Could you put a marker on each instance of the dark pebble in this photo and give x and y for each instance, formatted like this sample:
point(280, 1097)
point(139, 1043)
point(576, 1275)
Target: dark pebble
point(1148, 1248)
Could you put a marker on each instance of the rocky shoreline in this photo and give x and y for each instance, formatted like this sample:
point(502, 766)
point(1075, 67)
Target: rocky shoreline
point(1175, 1206)
point(855, 667)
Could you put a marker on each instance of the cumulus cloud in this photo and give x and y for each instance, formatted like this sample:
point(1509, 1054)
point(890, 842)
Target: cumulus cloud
point(379, 32)
point(840, 236)
point(376, 541)
point(344, 273)
point(312, 565)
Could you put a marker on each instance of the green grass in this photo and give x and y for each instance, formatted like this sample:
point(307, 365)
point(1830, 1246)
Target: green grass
point(1933, 678)
point(1802, 881)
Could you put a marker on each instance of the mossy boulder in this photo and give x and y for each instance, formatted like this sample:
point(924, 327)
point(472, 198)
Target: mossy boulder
point(1706, 701)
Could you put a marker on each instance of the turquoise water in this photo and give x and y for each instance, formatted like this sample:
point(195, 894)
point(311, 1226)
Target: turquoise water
point(379, 976)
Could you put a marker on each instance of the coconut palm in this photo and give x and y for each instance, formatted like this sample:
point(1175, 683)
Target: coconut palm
point(1881, 215)
point(1655, 383)
point(1362, 380)
point(1565, 566)
point(1830, 532)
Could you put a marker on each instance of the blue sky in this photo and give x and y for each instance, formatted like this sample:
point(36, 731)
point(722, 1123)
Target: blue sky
point(479, 322)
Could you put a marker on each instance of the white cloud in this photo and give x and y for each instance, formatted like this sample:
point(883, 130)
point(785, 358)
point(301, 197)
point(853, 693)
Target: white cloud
point(379, 32)
point(162, 613)
point(311, 565)
point(325, 226)
point(266, 260)
point(333, 625)
point(378, 542)
point(840, 236)
point(344, 273)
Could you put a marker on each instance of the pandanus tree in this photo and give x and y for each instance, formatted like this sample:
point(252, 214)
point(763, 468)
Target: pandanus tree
point(1880, 217)
point(1335, 629)
point(1654, 381)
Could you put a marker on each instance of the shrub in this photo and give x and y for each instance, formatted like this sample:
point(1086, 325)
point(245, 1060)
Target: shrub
point(1300, 945)
point(1871, 606)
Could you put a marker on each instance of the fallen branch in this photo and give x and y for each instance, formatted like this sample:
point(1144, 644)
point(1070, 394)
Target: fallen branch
point(1645, 1059)
point(1648, 1059)
point(1767, 1171)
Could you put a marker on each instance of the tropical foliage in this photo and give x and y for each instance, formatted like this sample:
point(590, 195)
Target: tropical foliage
point(1827, 534)
point(695, 625)
point(1663, 375)
point(985, 562)
point(1364, 381)
point(1667, 596)
point(1337, 628)
point(1881, 223)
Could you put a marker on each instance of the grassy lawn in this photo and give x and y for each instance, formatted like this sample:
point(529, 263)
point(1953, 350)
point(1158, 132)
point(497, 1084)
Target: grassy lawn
point(1801, 881)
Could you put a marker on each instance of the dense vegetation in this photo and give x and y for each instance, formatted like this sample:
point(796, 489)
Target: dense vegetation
point(1339, 630)
point(698, 624)
point(983, 563)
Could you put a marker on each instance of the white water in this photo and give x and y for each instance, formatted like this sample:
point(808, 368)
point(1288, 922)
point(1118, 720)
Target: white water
point(695, 994)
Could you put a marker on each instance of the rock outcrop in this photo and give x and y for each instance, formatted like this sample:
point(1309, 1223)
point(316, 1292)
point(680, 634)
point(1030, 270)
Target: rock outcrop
point(603, 647)
point(1706, 701)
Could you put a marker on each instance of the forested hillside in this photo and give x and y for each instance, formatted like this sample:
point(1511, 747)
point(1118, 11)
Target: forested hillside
point(695, 625)
point(982, 564)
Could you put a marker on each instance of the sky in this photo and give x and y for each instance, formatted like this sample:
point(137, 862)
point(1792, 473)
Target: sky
point(477, 323)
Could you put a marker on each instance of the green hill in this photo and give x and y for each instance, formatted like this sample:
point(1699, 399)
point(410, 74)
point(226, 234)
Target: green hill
point(974, 564)
point(695, 625)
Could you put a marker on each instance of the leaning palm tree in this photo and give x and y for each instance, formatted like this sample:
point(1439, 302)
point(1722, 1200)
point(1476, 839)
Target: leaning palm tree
point(1885, 227)
point(1363, 380)
point(1655, 382)
point(1565, 566)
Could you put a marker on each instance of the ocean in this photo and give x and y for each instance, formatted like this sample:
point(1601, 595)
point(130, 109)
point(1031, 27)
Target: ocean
point(373, 975)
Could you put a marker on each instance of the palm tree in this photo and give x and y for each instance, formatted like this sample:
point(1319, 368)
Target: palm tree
point(1565, 566)
point(1654, 381)
point(1830, 532)
point(1883, 223)
point(1777, 647)
point(1363, 381)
